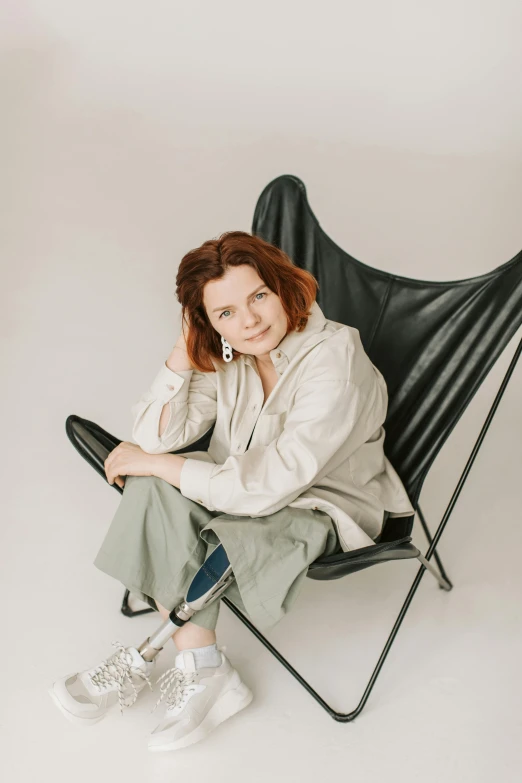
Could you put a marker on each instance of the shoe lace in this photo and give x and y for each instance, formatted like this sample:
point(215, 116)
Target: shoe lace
point(177, 682)
point(116, 670)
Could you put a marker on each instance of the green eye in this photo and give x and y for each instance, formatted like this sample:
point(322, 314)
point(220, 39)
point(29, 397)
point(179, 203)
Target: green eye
point(261, 293)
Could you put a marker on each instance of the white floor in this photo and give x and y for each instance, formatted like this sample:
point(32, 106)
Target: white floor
point(446, 706)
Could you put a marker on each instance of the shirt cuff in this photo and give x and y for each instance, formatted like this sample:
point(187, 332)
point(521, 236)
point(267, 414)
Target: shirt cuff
point(194, 481)
point(167, 383)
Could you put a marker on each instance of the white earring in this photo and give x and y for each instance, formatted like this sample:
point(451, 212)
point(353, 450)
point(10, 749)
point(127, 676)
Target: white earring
point(227, 350)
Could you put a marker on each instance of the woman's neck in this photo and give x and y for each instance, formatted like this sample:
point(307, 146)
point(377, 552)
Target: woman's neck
point(264, 364)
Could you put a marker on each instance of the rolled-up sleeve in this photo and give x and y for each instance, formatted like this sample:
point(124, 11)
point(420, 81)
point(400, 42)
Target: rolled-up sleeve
point(328, 421)
point(192, 398)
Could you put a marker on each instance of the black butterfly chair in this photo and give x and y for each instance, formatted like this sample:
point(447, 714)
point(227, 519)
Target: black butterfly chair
point(434, 344)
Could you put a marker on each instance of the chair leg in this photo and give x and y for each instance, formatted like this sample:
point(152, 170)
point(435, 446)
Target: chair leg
point(445, 579)
point(338, 716)
point(443, 583)
point(128, 612)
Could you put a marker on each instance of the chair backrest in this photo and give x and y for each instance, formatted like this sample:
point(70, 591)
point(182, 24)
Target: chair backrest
point(434, 342)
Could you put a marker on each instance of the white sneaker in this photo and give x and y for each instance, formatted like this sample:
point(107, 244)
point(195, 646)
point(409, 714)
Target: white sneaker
point(199, 700)
point(84, 697)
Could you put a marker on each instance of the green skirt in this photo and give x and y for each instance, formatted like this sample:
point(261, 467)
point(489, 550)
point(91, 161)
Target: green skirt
point(158, 539)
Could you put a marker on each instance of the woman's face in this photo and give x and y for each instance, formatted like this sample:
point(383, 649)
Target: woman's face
point(240, 306)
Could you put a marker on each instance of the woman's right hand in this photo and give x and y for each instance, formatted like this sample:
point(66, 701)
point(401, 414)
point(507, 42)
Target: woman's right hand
point(182, 339)
point(179, 358)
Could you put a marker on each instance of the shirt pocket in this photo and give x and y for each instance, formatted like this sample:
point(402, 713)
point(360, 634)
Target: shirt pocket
point(268, 427)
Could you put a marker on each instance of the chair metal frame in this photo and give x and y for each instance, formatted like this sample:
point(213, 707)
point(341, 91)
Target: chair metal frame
point(440, 575)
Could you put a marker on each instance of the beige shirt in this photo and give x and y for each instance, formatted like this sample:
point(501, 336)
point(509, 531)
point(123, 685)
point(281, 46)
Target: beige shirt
point(317, 441)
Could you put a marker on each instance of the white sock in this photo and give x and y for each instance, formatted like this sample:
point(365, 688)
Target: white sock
point(205, 656)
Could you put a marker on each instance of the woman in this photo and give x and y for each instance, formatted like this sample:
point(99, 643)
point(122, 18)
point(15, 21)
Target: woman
point(295, 469)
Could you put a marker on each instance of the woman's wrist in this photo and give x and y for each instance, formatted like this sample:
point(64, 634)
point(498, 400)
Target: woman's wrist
point(168, 467)
point(177, 363)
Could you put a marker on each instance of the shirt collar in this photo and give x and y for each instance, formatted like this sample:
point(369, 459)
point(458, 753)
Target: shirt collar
point(293, 341)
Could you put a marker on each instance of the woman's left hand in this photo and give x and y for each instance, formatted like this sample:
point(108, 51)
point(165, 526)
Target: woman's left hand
point(127, 459)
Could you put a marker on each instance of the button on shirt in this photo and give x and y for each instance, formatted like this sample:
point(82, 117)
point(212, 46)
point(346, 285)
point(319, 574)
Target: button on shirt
point(317, 441)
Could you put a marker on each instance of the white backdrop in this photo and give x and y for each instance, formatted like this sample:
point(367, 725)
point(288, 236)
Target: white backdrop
point(133, 131)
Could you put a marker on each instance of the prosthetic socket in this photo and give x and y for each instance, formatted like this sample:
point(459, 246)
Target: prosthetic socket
point(212, 579)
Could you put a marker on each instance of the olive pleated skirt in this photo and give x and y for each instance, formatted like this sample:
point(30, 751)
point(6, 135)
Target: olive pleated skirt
point(158, 539)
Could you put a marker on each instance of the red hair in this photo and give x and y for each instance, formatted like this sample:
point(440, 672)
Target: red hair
point(296, 288)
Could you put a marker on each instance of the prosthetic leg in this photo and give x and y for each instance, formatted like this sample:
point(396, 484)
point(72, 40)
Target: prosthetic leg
point(212, 579)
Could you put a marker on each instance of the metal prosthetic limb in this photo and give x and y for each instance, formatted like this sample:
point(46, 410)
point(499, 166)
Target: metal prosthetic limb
point(210, 581)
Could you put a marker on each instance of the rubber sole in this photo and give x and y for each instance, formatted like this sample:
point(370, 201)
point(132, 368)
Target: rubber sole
point(231, 702)
point(69, 715)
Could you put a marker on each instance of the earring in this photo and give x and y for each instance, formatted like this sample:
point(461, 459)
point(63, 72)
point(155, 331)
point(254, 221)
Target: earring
point(227, 350)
